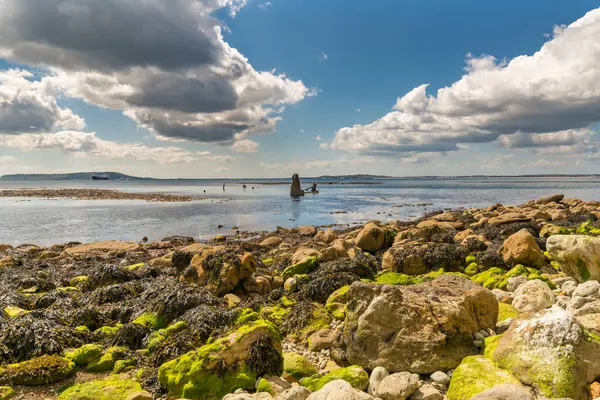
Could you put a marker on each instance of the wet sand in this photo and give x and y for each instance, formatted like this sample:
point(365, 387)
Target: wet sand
point(96, 194)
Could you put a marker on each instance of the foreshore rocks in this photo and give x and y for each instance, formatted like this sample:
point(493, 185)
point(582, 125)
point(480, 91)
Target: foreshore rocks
point(499, 302)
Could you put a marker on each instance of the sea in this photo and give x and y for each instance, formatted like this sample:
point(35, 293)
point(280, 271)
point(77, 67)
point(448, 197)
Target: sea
point(263, 205)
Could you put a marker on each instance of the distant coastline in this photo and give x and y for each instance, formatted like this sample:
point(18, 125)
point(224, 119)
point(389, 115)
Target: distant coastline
point(324, 179)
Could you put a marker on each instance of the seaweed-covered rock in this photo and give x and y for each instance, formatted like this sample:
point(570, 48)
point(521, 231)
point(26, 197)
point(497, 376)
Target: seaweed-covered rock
point(550, 352)
point(303, 267)
point(421, 329)
point(106, 389)
point(354, 375)
point(222, 366)
point(415, 258)
point(577, 255)
point(476, 374)
point(37, 371)
point(222, 271)
point(131, 335)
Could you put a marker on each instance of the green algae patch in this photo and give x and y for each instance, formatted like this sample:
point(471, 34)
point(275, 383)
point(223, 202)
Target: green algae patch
point(264, 386)
point(474, 375)
point(395, 278)
point(6, 392)
point(297, 366)
point(14, 311)
point(79, 280)
point(37, 371)
point(354, 375)
point(471, 258)
point(217, 368)
point(107, 389)
point(303, 267)
point(108, 360)
point(588, 229)
point(124, 365)
point(506, 311)
point(490, 278)
point(246, 315)
point(287, 302)
point(274, 314)
point(320, 320)
point(472, 269)
point(340, 295)
point(84, 354)
point(107, 331)
point(584, 273)
point(336, 303)
point(150, 320)
point(82, 329)
point(134, 266)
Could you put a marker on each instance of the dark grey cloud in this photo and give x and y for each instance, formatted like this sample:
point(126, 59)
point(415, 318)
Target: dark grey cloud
point(24, 115)
point(107, 35)
point(186, 94)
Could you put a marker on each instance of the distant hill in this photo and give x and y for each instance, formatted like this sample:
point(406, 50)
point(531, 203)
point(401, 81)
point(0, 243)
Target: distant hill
point(358, 176)
point(68, 177)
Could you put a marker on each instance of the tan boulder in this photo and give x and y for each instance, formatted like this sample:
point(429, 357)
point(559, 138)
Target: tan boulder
point(302, 253)
point(371, 238)
point(462, 235)
point(558, 214)
point(422, 328)
point(103, 247)
point(225, 275)
point(326, 237)
point(521, 248)
point(508, 218)
point(5, 247)
point(307, 230)
point(271, 241)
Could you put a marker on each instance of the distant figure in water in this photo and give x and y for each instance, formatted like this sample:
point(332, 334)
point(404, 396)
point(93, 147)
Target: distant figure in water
point(223, 186)
point(243, 186)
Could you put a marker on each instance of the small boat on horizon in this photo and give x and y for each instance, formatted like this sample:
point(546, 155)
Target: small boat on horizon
point(100, 178)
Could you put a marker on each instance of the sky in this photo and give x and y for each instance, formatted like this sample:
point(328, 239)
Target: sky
point(255, 88)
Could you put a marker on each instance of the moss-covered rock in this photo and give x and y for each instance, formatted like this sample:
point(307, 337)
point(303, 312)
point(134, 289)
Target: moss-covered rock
point(107, 389)
point(264, 386)
point(303, 267)
point(124, 365)
point(84, 354)
point(37, 371)
point(82, 329)
point(6, 392)
point(506, 311)
point(275, 314)
point(79, 281)
point(474, 375)
point(107, 331)
point(14, 311)
point(490, 278)
point(224, 365)
point(296, 367)
point(472, 269)
point(354, 375)
point(548, 351)
point(108, 360)
point(246, 315)
point(336, 303)
point(150, 320)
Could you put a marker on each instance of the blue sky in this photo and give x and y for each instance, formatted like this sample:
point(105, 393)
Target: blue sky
point(346, 64)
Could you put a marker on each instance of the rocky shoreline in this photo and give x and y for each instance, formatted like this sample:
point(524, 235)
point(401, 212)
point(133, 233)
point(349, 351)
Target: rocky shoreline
point(96, 194)
point(501, 302)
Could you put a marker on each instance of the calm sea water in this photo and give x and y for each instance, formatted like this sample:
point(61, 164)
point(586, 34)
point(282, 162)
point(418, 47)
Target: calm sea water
point(265, 207)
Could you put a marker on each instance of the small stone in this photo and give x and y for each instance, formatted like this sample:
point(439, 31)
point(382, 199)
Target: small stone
point(427, 392)
point(375, 380)
point(321, 340)
point(569, 287)
point(294, 393)
point(478, 337)
point(398, 386)
point(440, 378)
point(232, 300)
point(514, 282)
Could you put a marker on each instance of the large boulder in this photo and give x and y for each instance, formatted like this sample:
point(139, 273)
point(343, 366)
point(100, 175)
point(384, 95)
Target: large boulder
point(232, 362)
point(371, 238)
point(533, 296)
point(550, 352)
point(508, 218)
point(421, 329)
point(415, 258)
point(577, 255)
point(522, 248)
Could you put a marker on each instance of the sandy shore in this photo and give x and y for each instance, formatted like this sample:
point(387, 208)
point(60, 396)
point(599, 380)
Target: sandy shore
point(96, 194)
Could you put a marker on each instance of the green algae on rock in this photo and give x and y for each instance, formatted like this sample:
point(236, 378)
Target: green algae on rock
point(84, 354)
point(220, 367)
point(296, 366)
point(107, 389)
point(6, 393)
point(303, 267)
point(474, 375)
point(506, 311)
point(354, 375)
point(107, 361)
point(150, 320)
point(37, 371)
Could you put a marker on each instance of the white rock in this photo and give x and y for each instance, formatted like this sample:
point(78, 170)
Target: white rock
point(533, 296)
point(585, 299)
point(513, 283)
point(505, 391)
point(375, 380)
point(440, 378)
point(294, 393)
point(339, 390)
point(569, 287)
point(427, 392)
point(398, 386)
